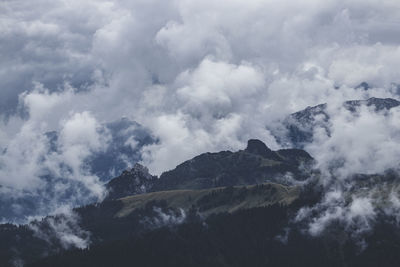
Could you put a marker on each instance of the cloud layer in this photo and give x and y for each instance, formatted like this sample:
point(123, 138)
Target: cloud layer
point(201, 75)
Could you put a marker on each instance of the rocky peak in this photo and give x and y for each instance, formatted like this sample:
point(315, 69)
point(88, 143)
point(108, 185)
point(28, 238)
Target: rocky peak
point(136, 180)
point(257, 147)
point(138, 172)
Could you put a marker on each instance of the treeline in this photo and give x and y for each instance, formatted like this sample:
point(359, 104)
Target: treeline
point(255, 237)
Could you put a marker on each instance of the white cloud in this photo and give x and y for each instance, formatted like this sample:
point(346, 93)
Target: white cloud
point(32, 168)
point(62, 229)
point(218, 86)
point(357, 215)
point(362, 143)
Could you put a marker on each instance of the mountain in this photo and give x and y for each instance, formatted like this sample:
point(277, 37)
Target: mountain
point(136, 180)
point(254, 165)
point(299, 126)
point(208, 184)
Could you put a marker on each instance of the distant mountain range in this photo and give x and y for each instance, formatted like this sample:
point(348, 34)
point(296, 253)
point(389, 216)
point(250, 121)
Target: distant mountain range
point(299, 127)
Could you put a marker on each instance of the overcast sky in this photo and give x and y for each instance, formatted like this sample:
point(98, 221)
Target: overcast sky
point(201, 75)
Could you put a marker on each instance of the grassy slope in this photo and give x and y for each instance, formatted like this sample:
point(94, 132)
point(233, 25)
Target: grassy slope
point(215, 200)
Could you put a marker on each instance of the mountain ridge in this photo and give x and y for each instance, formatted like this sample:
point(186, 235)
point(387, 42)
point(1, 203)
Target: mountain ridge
point(254, 165)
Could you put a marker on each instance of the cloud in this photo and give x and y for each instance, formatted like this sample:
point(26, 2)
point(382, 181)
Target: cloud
point(356, 214)
point(61, 230)
point(365, 142)
point(47, 42)
point(37, 171)
point(213, 86)
point(164, 217)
